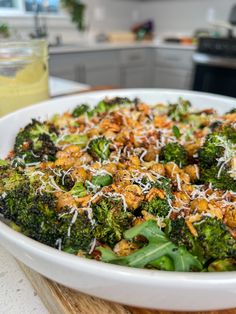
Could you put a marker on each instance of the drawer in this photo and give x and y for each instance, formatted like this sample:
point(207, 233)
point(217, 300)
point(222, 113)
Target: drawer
point(98, 59)
point(133, 57)
point(174, 58)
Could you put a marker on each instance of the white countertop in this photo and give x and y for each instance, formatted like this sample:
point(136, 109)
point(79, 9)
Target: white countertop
point(59, 86)
point(17, 295)
point(92, 46)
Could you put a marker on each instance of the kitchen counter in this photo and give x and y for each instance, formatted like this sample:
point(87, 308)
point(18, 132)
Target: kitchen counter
point(92, 46)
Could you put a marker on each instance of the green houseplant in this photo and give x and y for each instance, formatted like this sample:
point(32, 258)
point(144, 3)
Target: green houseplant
point(76, 10)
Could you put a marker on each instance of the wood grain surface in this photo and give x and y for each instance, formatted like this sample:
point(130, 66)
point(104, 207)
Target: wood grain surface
point(61, 300)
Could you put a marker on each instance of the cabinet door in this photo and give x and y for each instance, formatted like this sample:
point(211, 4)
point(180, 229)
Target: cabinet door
point(102, 76)
point(172, 78)
point(64, 66)
point(135, 77)
point(174, 58)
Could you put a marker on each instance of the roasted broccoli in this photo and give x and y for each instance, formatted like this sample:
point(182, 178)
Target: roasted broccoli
point(34, 213)
point(228, 264)
point(108, 104)
point(110, 220)
point(174, 152)
point(213, 240)
point(78, 190)
point(179, 111)
point(76, 231)
point(231, 111)
point(99, 148)
point(80, 110)
point(219, 179)
point(36, 142)
point(215, 158)
point(157, 206)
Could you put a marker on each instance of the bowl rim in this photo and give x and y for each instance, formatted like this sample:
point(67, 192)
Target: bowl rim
point(105, 269)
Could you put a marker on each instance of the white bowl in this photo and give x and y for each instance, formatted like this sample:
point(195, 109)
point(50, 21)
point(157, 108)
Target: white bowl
point(138, 287)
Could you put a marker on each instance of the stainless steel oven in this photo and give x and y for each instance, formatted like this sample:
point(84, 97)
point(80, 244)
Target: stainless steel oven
point(215, 66)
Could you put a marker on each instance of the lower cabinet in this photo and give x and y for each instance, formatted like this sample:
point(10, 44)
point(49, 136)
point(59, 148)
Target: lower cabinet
point(127, 68)
point(172, 78)
point(135, 77)
point(109, 76)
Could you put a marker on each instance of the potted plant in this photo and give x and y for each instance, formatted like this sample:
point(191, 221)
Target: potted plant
point(76, 10)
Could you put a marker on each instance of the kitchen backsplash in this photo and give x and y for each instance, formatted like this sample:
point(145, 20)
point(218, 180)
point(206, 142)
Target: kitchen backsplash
point(185, 16)
point(170, 16)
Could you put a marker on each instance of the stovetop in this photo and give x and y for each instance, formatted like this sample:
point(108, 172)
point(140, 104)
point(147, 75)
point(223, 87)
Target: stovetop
point(225, 47)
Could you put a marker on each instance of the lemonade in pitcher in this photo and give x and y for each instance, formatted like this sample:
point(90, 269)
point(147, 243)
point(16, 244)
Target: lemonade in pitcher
point(23, 74)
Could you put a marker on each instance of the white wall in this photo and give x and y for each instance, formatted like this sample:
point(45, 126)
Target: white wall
point(101, 16)
point(184, 16)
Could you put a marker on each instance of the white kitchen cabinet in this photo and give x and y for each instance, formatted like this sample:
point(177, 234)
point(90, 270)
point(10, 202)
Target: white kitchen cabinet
point(92, 68)
point(134, 77)
point(172, 78)
point(135, 68)
point(173, 68)
point(102, 76)
point(126, 67)
point(64, 65)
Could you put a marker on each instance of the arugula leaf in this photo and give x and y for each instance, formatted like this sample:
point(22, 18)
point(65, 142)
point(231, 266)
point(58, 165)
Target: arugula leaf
point(102, 180)
point(176, 131)
point(150, 255)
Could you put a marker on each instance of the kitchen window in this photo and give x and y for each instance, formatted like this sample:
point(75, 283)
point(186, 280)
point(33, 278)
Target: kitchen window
point(27, 7)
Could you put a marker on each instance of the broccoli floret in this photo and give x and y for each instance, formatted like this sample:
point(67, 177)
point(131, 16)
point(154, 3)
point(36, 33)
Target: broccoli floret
point(34, 212)
point(215, 158)
point(157, 206)
point(108, 104)
point(99, 148)
point(110, 220)
point(174, 152)
point(223, 181)
point(10, 178)
point(179, 111)
point(179, 233)
point(75, 235)
point(228, 264)
point(78, 190)
point(212, 242)
point(231, 111)
point(211, 150)
point(80, 110)
point(65, 180)
point(35, 142)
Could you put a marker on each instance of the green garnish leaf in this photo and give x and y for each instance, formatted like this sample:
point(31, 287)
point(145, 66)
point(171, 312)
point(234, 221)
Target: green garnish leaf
point(176, 131)
point(158, 246)
point(75, 139)
point(102, 180)
point(80, 110)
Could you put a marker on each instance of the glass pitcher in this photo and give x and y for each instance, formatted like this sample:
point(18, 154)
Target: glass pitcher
point(23, 74)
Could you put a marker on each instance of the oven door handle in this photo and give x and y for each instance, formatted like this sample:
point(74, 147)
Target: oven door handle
point(223, 62)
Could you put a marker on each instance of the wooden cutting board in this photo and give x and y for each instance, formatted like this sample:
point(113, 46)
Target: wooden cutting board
point(61, 300)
